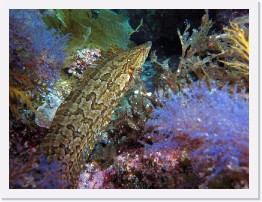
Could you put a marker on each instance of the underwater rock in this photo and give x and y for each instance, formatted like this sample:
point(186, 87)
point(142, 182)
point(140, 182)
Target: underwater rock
point(82, 59)
point(136, 169)
point(48, 110)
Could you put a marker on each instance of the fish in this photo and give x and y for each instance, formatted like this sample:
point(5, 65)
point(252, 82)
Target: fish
point(87, 110)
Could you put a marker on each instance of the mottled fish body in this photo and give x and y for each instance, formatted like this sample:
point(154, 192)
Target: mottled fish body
point(88, 109)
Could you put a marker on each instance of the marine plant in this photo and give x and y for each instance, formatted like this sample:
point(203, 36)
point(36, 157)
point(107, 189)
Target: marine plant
point(209, 125)
point(36, 56)
point(91, 28)
point(219, 56)
point(193, 47)
point(237, 47)
point(35, 174)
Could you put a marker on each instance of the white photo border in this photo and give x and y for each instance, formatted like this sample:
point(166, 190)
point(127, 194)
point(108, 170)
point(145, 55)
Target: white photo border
point(254, 175)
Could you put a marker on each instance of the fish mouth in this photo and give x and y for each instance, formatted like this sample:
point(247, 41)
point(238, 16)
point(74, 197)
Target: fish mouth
point(146, 48)
point(148, 45)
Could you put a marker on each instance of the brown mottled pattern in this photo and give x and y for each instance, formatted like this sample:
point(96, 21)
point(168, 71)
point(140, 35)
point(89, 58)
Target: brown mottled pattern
point(88, 109)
